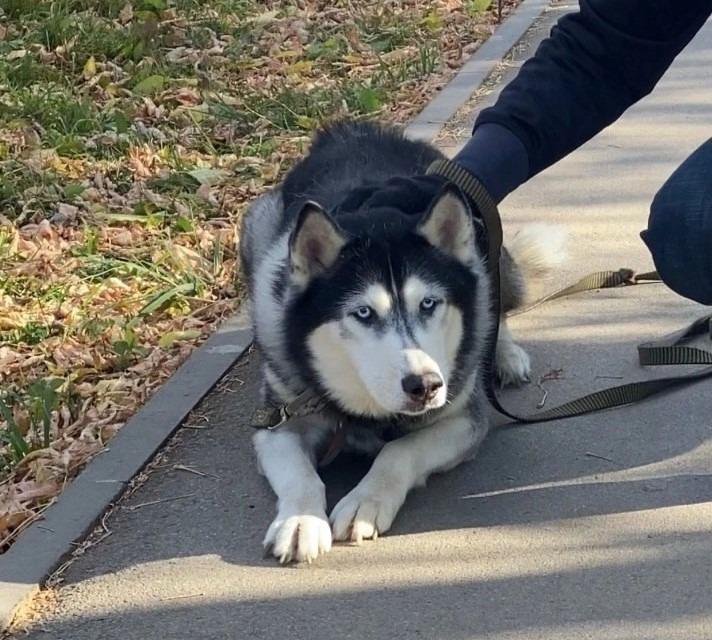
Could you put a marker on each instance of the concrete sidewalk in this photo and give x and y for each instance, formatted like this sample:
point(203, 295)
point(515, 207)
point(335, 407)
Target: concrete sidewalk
point(596, 528)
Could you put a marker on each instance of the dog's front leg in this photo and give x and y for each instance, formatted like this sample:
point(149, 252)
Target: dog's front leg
point(370, 508)
point(513, 363)
point(301, 529)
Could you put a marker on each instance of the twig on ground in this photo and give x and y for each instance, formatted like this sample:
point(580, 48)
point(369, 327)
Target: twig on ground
point(160, 501)
point(188, 595)
point(590, 454)
point(552, 374)
point(182, 467)
point(542, 402)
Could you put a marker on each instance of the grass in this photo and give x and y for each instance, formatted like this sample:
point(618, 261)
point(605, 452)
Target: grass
point(132, 135)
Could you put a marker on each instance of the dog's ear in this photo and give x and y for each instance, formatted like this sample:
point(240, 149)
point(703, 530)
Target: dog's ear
point(315, 243)
point(448, 225)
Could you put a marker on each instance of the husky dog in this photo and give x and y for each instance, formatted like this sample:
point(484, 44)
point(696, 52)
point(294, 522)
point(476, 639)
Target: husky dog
point(375, 296)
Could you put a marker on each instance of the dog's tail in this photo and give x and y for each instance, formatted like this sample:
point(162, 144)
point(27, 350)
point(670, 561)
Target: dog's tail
point(538, 249)
point(530, 257)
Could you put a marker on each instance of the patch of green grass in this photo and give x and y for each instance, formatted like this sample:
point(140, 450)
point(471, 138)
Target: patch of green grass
point(200, 34)
point(42, 400)
point(87, 29)
point(12, 434)
point(261, 147)
point(95, 327)
point(385, 32)
point(16, 286)
point(38, 401)
point(362, 99)
point(15, 9)
point(57, 109)
point(40, 9)
point(329, 49)
point(427, 61)
point(23, 288)
point(475, 7)
point(55, 29)
point(106, 8)
point(29, 334)
point(54, 293)
point(27, 71)
point(394, 74)
point(6, 239)
point(127, 350)
point(90, 246)
point(20, 185)
point(237, 8)
point(175, 183)
point(66, 144)
point(291, 110)
point(107, 42)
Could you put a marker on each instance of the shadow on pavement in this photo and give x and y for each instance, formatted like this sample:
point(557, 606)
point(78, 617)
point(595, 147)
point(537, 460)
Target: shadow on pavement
point(650, 595)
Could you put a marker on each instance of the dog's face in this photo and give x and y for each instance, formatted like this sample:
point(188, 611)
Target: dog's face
point(383, 317)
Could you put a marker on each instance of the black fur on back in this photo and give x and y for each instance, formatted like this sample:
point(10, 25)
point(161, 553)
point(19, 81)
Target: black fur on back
point(354, 159)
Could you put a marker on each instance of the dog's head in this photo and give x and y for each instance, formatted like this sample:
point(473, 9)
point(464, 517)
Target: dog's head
point(390, 309)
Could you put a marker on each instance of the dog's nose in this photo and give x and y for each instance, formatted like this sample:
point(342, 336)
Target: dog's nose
point(422, 387)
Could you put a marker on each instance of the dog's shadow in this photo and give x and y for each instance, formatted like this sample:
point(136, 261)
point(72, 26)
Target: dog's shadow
point(486, 492)
point(343, 474)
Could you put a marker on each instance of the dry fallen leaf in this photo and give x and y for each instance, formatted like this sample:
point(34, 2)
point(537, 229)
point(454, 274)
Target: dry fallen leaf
point(89, 70)
point(126, 13)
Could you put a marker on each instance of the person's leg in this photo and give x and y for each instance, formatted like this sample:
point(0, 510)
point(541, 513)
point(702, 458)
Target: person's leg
point(679, 233)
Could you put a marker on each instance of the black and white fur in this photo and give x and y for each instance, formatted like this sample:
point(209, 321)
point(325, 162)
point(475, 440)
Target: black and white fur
point(386, 311)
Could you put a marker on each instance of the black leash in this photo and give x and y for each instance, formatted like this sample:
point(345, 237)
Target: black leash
point(669, 351)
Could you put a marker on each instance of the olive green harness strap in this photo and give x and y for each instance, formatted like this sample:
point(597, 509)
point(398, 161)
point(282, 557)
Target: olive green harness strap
point(669, 351)
point(306, 403)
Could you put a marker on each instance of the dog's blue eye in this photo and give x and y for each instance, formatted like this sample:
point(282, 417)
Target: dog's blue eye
point(364, 313)
point(428, 304)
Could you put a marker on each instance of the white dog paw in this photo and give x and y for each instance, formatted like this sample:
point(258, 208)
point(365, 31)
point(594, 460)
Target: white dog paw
point(513, 364)
point(299, 538)
point(363, 514)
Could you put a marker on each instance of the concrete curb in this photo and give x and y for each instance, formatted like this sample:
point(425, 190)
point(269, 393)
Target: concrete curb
point(40, 549)
point(429, 121)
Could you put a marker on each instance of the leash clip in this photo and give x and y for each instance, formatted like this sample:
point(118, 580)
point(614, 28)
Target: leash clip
point(283, 417)
point(628, 277)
